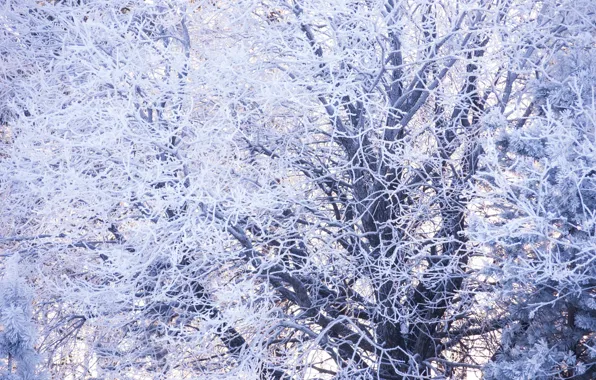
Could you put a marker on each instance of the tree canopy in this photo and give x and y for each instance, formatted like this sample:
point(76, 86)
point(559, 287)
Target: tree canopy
point(285, 189)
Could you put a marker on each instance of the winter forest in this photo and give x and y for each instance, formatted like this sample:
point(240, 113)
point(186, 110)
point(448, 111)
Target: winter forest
point(298, 189)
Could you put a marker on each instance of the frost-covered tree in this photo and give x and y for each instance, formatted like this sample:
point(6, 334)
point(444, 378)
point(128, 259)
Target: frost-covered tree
point(543, 185)
point(300, 189)
point(17, 330)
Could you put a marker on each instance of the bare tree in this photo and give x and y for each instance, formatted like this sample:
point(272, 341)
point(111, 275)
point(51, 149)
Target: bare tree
point(293, 189)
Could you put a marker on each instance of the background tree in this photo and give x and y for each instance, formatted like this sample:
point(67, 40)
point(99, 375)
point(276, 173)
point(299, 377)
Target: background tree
point(279, 189)
point(18, 333)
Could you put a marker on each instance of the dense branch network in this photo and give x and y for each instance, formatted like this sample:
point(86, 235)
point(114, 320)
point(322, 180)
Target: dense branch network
point(301, 189)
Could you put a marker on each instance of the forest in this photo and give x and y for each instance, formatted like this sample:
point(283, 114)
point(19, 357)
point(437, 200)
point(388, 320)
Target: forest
point(298, 189)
